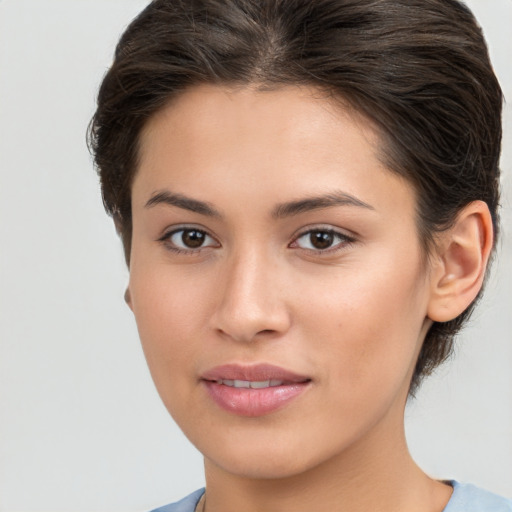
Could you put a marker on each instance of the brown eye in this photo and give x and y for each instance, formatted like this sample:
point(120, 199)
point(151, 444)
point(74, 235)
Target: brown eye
point(188, 240)
point(192, 238)
point(322, 240)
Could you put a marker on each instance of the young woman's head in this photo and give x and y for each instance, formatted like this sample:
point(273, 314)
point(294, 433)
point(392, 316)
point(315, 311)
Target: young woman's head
point(297, 183)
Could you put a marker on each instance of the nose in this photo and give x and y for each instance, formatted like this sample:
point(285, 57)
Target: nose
point(251, 304)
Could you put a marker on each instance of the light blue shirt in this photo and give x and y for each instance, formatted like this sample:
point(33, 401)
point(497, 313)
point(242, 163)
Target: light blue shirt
point(465, 498)
point(469, 498)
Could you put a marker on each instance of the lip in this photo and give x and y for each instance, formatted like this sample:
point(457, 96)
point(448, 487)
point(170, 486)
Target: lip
point(255, 372)
point(252, 402)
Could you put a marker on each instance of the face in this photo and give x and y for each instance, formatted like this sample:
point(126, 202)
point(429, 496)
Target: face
point(276, 278)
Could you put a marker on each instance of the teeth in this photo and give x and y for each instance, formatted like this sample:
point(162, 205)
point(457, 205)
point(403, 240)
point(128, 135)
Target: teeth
point(260, 385)
point(251, 384)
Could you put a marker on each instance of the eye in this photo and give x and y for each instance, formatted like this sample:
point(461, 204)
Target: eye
point(322, 240)
point(188, 240)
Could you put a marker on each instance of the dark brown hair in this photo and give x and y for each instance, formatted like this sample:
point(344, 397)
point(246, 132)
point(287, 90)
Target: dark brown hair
point(419, 69)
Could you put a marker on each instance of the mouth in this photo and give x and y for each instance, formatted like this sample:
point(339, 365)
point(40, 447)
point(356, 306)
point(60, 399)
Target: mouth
point(248, 384)
point(254, 390)
point(267, 374)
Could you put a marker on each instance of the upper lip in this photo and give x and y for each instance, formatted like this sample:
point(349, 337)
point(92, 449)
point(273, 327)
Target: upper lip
point(253, 373)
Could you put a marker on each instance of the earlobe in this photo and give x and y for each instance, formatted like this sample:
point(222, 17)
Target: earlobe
point(462, 257)
point(128, 297)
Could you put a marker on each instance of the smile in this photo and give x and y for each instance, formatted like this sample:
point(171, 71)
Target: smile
point(262, 384)
point(254, 390)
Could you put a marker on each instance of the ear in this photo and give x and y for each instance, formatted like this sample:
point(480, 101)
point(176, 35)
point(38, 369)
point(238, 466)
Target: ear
point(128, 297)
point(459, 264)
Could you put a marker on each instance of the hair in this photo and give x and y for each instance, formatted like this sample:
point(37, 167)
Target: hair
point(418, 69)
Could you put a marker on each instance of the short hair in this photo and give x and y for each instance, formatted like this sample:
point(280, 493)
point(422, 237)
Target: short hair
point(418, 69)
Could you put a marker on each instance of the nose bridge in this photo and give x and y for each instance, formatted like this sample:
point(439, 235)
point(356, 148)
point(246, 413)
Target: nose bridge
point(250, 301)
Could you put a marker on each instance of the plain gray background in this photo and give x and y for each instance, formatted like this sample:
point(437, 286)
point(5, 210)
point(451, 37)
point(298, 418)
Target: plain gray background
point(81, 426)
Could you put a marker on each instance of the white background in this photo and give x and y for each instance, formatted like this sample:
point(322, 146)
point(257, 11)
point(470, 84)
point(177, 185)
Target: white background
point(81, 427)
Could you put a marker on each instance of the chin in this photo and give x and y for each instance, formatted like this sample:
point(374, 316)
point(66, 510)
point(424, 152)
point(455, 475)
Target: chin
point(267, 466)
point(272, 457)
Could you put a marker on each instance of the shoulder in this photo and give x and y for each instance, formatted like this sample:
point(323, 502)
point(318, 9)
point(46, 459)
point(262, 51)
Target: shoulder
point(187, 504)
point(469, 498)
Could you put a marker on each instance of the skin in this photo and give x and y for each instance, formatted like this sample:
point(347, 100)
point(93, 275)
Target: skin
point(351, 317)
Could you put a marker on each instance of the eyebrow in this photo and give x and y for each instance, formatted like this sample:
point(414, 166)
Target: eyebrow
point(281, 211)
point(337, 198)
point(181, 201)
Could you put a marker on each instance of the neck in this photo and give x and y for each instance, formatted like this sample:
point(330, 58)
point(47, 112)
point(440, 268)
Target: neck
point(377, 473)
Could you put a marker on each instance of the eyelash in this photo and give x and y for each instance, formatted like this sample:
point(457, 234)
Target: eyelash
point(343, 241)
point(166, 241)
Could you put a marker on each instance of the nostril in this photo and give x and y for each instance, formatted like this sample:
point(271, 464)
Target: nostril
point(266, 331)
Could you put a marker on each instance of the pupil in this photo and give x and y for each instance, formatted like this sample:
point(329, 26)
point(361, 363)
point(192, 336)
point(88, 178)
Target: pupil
point(193, 238)
point(321, 239)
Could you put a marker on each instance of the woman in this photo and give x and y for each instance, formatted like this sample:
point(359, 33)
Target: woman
point(307, 194)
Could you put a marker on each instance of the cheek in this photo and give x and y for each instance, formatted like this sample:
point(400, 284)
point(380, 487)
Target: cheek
point(169, 318)
point(169, 312)
point(368, 324)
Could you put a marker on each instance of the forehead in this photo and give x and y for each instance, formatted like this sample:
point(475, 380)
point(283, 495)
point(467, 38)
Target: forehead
point(281, 142)
point(300, 112)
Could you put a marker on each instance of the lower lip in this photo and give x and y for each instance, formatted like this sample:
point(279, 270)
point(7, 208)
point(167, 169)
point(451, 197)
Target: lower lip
point(254, 402)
